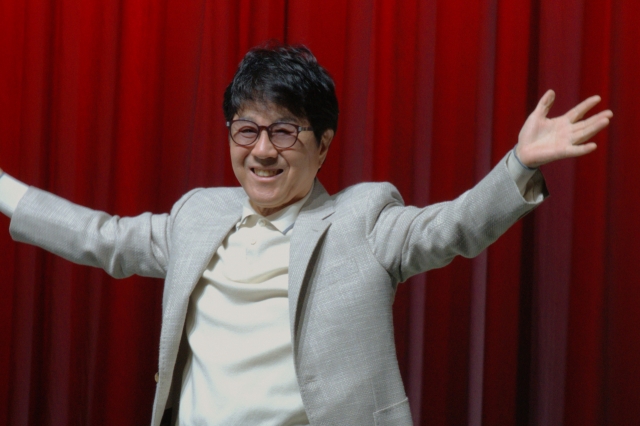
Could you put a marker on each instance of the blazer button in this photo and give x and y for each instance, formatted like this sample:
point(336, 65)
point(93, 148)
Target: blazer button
point(157, 377)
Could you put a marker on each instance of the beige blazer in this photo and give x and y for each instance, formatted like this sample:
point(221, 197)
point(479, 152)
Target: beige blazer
point(348, 253)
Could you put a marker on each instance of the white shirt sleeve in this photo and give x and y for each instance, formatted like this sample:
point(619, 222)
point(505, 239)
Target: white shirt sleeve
point(11, 192)
point(522, 177)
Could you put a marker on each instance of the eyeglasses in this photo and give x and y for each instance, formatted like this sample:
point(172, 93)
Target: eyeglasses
point(281, 135)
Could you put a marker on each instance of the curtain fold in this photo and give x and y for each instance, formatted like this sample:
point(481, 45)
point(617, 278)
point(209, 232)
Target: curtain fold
point(117, 106)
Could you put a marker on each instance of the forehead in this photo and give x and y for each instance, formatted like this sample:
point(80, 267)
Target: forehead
point(267, 112)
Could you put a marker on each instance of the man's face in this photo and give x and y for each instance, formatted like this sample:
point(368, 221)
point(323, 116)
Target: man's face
point(275, 178)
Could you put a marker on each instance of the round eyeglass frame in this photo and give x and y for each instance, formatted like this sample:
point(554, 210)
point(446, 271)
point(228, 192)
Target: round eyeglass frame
point(269, 129)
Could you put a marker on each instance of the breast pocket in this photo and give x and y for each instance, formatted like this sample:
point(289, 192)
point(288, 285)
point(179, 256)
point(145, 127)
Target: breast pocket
point(397, 414)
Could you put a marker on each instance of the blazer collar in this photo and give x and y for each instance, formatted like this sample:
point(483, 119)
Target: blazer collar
point(319, 205)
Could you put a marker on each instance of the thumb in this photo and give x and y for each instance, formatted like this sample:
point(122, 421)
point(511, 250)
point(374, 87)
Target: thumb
point(546, 102)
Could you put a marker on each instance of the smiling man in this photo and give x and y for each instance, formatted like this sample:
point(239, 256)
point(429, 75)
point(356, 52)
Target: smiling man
point(274, 155)
point(277, 305)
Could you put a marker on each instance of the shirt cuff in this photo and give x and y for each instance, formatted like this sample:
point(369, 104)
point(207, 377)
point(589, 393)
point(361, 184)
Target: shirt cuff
point(11, 192)
point(522, 177)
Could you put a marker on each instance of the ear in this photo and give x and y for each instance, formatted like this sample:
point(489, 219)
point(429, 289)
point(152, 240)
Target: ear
point(325, 142)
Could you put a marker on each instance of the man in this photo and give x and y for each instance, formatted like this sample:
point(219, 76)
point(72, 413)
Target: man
point(277, 300)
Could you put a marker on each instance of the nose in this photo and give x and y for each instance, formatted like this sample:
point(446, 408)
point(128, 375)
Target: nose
point(263, 147)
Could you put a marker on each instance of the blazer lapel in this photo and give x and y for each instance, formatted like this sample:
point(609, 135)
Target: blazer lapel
point(207, 226)
point(308, 231)
point(208, 223)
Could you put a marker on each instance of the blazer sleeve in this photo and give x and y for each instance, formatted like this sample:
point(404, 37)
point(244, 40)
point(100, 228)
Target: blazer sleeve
point(410, 240)
point(122, 246)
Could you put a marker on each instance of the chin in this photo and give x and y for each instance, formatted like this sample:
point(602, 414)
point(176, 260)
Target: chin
point(264, 201)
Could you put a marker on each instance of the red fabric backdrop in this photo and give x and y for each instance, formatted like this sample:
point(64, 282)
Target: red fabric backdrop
point(117, 105)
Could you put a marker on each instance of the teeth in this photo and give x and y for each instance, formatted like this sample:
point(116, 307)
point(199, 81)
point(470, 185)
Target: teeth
point(265, 173)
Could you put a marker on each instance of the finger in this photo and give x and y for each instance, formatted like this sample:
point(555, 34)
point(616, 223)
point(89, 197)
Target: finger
point(580, 125)
point(578, 150)
point(545, 103)
point(590, 130)
point(577, 112)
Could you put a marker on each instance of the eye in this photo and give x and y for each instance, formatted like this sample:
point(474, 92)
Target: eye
point(283, 129)
point(247, 130)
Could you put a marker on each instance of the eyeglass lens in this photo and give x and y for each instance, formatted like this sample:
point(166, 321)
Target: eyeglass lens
point(282, 135)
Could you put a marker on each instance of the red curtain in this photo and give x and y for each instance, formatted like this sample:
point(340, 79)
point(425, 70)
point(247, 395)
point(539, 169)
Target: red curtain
point(116, 105)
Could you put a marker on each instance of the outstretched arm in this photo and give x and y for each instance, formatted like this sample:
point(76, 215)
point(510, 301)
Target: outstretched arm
point(122, 246)
point(543, 140)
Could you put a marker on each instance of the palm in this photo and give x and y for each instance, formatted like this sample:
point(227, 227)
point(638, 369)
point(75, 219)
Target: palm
point(543, 139)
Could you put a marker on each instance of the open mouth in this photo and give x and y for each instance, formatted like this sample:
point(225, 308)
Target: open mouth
point(266, 173)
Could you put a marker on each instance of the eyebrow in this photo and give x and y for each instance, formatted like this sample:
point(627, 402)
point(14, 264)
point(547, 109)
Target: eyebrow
point(289, 118)
point(283, 119)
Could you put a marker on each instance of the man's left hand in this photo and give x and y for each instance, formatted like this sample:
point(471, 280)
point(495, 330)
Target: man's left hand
point(543, 140)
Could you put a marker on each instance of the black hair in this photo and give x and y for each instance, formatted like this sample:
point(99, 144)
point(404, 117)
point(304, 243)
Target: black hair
point(289, 77)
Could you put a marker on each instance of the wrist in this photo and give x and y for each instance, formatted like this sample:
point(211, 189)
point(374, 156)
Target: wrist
point(516, 156)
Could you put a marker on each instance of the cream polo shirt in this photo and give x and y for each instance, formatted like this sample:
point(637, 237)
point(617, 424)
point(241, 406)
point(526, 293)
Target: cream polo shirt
point(240, 370)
